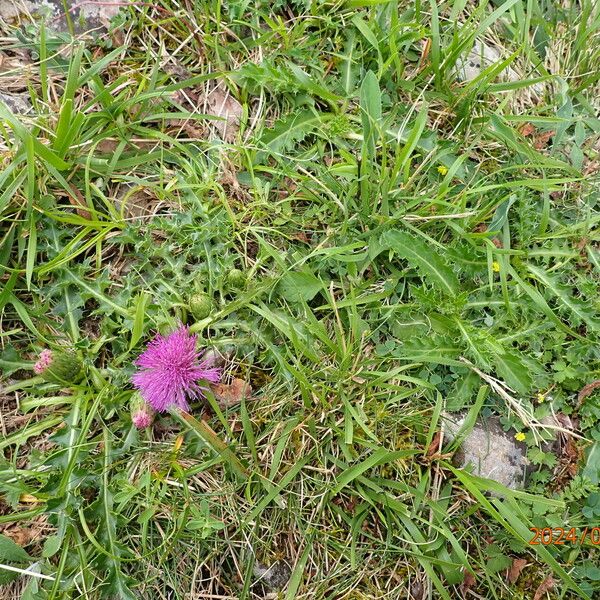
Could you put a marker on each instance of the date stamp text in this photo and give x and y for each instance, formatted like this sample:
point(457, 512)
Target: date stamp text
point(558, 536)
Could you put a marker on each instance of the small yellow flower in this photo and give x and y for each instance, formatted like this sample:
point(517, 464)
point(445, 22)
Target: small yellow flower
point(520, 437)
point(496, 267)
point(540, 397)
point(442, 170)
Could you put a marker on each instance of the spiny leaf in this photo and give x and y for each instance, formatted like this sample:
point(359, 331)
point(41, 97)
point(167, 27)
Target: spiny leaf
point(541, 303)
point(118, 585)
point(512, 369)
point(424, 257)
point(576, 306)
point(432, 349)
point(477, 349)
point(292, 129)
point(463, 391)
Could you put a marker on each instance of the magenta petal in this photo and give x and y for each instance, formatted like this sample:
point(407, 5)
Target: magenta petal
point(169, 371)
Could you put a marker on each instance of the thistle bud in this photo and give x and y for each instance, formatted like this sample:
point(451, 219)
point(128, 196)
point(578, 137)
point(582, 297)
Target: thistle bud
point(142, 414)
point(59, 366)
point(200, 305)
point(236, 279)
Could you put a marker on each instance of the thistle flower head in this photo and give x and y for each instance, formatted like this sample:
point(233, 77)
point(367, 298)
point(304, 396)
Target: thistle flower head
point(142, 414)
point(43, 362)
point(141, 419)
point(59, 366)
point(169, 371)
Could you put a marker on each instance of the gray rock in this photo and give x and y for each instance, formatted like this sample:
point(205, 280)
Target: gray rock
point(86, 15)
point(13, 11)
point(489, 450)
point(17, 103)
point(97, 15)
point(10, 11)
point(274, 577)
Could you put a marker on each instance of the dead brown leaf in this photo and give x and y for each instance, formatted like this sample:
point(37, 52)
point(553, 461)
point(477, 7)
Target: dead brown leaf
point(191, 130)
point(78, 201)
point(518, 564)
point(217, 102)
point(302, 236)
point(425, 49)
point(434, 447)
point(567, 451)
point(138, 202)
point(222, 104)
point(591, 167)
point(541, 141)
point(230, 394)
point(586, 391)
point(24, 535)
point(417, 590)
point(544, 587)
point(467, 583)
point(571, 451)
point(527, 129)
point(566, 421)
point(19, 535)
point(570, 457)
point(110, 145)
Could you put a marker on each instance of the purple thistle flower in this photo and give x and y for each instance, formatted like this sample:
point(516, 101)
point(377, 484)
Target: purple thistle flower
point(170, 369)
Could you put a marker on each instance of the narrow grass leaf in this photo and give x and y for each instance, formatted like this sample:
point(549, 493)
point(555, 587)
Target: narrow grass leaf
point(378, 457)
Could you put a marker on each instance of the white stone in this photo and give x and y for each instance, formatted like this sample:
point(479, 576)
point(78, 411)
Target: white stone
point(480, 58)
point(489, 450)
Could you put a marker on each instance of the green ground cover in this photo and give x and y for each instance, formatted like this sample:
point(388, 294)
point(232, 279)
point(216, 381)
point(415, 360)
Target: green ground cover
point(397, 235)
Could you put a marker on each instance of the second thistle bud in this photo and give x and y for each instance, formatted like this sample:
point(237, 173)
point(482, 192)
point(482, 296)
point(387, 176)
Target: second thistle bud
point(59, 366)
point(200, 305)
point(142, 414)
point(236, 279)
